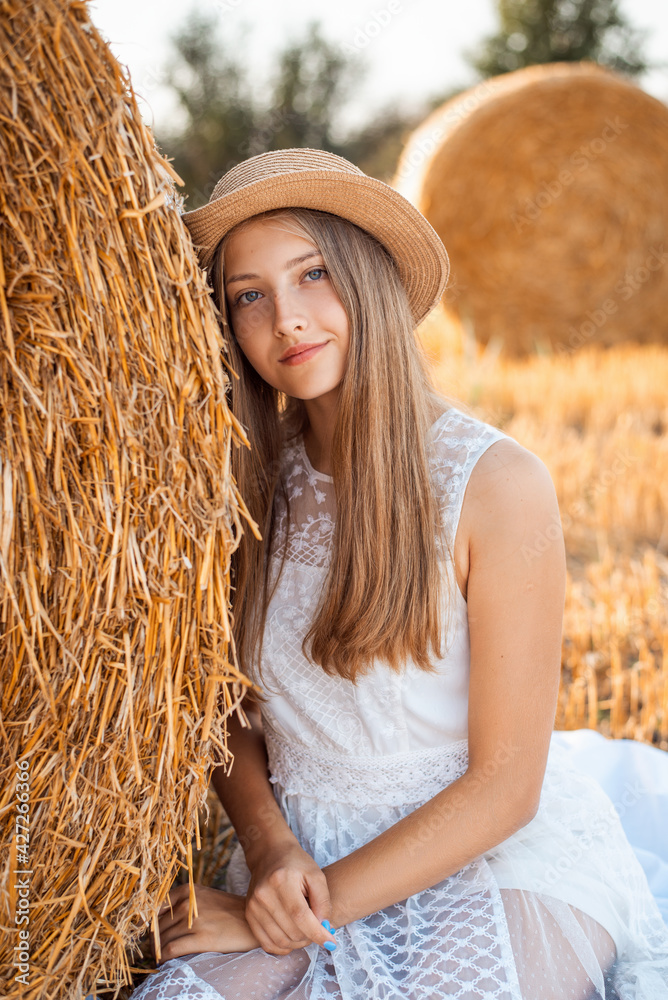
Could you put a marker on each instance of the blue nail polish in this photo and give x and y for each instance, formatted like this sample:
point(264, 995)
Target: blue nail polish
point(330, 946)
point(326, 924)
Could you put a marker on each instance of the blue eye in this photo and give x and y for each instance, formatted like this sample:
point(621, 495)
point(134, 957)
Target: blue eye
point(248, 301)
point(316, 270)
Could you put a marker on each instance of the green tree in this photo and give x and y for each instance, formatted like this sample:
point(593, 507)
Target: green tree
point(217, 109)
point(312, 84)
point(222, 122)
point(543, 31)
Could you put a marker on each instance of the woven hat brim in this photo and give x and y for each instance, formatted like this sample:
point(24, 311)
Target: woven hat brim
point(420, 256)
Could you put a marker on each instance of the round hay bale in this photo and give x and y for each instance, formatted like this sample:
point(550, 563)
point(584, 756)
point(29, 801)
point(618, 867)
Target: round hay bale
point(549, 189)
point(118, 515)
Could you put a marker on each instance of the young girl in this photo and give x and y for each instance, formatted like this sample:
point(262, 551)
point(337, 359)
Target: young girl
point(408, 826)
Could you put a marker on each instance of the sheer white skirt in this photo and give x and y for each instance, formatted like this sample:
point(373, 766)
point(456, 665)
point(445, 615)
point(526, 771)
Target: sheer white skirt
point(559, 911)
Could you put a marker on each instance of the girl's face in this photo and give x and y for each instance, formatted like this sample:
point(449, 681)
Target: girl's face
point(279, 296)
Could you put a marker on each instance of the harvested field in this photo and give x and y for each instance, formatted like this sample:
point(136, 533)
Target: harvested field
point(599, 420)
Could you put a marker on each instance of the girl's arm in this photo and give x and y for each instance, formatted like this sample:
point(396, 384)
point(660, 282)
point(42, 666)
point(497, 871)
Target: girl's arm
point(246, 793)
point(288, 895)
point(275, 914)
point(515, 595)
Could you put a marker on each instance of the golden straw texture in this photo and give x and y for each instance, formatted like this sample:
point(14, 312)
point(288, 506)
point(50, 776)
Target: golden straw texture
point(598, 418)
point(118, 513)
point(549, 188)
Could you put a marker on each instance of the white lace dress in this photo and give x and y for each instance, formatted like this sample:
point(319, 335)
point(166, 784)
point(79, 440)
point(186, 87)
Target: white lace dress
point(530, 919)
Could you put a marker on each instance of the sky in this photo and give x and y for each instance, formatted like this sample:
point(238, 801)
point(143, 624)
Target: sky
point(412, 48)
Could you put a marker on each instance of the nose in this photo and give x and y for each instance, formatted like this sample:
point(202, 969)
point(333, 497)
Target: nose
point(288, 317)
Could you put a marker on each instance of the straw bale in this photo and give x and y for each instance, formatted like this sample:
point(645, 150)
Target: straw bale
point(549, 189)
point(118, 512)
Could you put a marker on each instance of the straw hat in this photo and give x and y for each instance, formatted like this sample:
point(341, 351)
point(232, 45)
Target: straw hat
point(312, 178)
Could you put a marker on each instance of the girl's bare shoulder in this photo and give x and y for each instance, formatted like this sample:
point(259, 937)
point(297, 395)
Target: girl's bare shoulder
point(509, 496)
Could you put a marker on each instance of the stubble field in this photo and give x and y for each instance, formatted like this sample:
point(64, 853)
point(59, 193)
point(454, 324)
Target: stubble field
point(599, 420)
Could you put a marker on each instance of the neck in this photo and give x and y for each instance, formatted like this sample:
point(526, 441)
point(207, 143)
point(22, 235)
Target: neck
point(318, 435)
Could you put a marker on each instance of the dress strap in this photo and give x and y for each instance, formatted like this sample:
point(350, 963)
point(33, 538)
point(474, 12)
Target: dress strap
point(458, 441)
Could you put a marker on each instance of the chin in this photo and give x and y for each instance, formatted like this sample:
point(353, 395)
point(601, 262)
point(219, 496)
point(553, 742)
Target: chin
point(314, 393)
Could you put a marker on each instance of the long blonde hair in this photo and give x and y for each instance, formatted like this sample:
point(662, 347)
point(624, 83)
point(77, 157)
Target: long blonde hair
point(382, 597)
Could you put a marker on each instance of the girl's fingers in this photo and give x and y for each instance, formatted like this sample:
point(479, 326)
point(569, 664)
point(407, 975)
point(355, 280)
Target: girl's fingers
point(285, 935)
point(177, 929)
point(318, 896)
point(289, 928)
point(271, 936)
point(177, 914)
point(310, 926)
point(319, 909)
point(173, 897)
point(297, 919)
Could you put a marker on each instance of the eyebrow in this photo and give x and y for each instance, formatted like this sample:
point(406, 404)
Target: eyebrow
point(288, 266)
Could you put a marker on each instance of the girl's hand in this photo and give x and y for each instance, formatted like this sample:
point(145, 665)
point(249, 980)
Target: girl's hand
point(221, 924)
point(287, 899)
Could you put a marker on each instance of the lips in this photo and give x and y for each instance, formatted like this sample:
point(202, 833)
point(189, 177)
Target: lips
point(305, 352)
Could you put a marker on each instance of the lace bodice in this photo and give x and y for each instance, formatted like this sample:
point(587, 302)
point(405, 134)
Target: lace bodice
point(457, 441)
point(349, 761)
point(385, 712)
